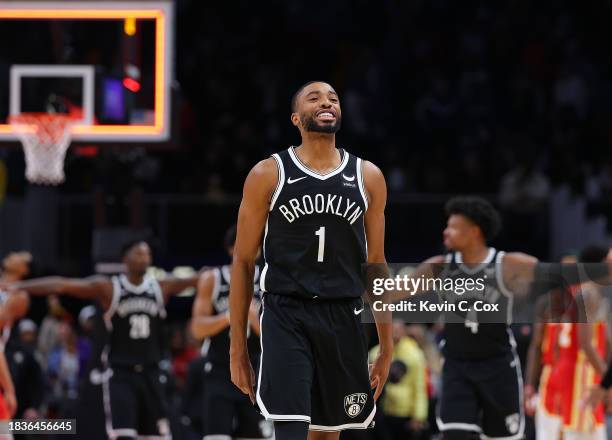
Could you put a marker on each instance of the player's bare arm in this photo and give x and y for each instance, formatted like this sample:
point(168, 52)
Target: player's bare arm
point(98, 288)
point(533, 366)
point(203, 322)
point(519, 272)
point(252, 215)
point(596, 311)
point(429, 268)
point(534, 355)
point(254, 318)
point(171, 286)
point(376, 190)
point(15, 308)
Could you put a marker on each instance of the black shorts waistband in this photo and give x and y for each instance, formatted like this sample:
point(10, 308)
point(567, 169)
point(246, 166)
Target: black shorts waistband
point(305, 297)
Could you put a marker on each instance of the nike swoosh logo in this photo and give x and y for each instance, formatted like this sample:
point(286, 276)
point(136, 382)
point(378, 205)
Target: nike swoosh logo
point(350, 179)
point(290, 180)
point(357, 312)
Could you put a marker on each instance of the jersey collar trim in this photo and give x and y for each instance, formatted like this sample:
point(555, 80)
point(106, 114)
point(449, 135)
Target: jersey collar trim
point(227, 276)
point(472, 270)
point(304, 168)
point(135, 289)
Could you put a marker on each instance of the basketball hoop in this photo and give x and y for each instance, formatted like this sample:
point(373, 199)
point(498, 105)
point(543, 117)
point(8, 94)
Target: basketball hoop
point(45, 138)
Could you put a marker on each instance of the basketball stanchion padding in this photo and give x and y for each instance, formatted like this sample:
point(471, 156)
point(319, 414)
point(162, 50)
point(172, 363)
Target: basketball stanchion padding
point(45, 138)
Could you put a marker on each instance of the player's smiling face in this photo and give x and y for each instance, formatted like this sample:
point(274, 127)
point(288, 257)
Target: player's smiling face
point(318, 109)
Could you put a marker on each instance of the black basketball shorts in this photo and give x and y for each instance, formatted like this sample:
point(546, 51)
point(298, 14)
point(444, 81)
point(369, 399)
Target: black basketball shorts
point(134, 403)
point(484, 397)
point(314, 363)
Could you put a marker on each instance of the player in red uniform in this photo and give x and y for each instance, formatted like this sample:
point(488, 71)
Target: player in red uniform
point(546, 404)
point(15, 267)
point(582, 350)
point(542, 357)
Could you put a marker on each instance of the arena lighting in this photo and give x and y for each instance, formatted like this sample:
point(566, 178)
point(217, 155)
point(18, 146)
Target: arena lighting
point(129, 26)
point(131, 84)
point(160, 18)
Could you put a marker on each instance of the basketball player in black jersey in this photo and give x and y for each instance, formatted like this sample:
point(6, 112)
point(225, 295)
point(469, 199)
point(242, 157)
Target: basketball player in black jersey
point(134, 310)
point(227, 412)
point(319, 212)
point(481, 379)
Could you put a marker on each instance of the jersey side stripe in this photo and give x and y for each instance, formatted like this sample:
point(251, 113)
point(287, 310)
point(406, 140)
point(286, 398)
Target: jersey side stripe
point(281, 180)
point(361, 182)
point(502, 286)
point(215, 292)
point(262, 277)
point(159, 296)
point(114, 301)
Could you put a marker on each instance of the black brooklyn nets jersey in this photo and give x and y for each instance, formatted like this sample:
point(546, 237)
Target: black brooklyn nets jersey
point(315, 242)
point(135, 322)
point(475, 335)
point(216, 348)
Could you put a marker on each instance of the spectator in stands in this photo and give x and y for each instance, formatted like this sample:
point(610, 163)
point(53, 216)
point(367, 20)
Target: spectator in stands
point(49, 336)
point(404, 402)
point(84, 342)
point(26, 371)
point(63, 371)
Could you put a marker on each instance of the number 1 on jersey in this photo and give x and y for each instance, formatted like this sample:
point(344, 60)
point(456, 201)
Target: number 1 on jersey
point(321, 233)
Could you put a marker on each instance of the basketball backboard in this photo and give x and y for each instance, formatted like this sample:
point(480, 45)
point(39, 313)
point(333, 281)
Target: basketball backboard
point(107, 63)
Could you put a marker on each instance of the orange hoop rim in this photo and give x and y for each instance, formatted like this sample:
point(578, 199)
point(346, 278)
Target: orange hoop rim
point(54, 124)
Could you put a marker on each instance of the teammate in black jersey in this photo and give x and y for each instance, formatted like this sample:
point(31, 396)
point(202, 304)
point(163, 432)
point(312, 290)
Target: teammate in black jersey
point(227, 412)
point(319, 212)
point(134, 309)
point(481, 379)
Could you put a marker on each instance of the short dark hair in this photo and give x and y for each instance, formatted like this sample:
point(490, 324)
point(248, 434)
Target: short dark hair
point(295, 96)
point(127, 246)
point(593, 254)
point(478, 210)
point(230, 237)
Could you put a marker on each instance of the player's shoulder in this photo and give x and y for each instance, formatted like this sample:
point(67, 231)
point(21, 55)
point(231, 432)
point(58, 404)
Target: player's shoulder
point(209, 273)
point(371, 170)
point(518, 258)
point(206, 282)
point(102, 283)
point(374, 180)
point(590, 290)
point(265, 168)
point(263, 177)
point(99, 280)
point(436, 259)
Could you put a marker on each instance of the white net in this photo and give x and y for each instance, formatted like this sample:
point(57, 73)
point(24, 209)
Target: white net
point(45, 138)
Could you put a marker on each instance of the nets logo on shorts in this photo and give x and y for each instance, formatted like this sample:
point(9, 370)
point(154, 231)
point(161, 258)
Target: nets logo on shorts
point(512, 423)
point(354, 404)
